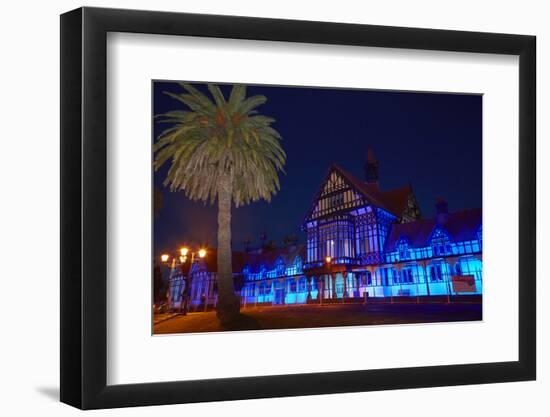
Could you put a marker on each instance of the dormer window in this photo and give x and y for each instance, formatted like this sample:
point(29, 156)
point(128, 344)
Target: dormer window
point(441, 244)
point(403, 248)
point(280, 267)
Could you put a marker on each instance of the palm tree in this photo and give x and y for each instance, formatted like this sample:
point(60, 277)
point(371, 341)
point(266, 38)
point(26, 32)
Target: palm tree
point(221, 150)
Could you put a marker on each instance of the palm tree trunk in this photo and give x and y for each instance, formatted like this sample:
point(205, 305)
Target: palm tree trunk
point(228, 303)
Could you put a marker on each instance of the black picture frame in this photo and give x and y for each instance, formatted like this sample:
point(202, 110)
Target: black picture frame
point(84, 207)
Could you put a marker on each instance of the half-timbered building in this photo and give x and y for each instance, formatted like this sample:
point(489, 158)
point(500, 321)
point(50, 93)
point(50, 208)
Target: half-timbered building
point(361, 241)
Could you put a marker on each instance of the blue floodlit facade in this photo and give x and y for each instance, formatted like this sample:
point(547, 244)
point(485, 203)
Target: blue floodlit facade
point(361, 242)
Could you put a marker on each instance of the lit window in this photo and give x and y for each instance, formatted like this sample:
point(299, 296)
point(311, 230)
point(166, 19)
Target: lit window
point(458, 269)
point(263, 289)
point(441, 244)
point(280, 267)
point(369, 278)
point(436, 273)
point(403, 247)
point(291, 285)
point(407, 276)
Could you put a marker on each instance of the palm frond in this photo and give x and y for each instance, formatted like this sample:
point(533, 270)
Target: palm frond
point(219, 99)
point(200, 97)
point(212, 138)
point(251, 103)
point(238, 93)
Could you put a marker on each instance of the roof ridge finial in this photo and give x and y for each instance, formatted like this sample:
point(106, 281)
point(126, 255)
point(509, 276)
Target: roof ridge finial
point(371, 168)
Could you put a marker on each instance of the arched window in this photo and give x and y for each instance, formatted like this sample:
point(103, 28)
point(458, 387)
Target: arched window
point(302, 286)
point(440, 242)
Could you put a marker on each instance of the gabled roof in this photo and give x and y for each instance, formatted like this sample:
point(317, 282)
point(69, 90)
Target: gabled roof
point(373, 196)
point(396, 200)
point(417, 233)
point(393, 201)
point(270, 256)
point(238, 260)
point(460, 226)
point(463, 225)
point(369, 192)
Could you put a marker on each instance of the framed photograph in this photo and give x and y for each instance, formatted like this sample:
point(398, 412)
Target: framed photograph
point(258, 208)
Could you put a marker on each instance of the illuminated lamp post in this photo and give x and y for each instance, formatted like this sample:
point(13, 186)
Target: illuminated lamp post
point(181, 260)
point(328, 261)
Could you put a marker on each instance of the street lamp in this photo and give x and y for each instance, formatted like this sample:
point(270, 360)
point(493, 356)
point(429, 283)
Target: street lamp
point(328, 261)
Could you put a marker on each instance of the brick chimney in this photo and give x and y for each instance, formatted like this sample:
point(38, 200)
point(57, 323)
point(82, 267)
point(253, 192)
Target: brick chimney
point(442, 208)
point(371, 168)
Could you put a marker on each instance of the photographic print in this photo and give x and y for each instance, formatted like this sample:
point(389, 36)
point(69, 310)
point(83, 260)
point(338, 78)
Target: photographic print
point(281, 207)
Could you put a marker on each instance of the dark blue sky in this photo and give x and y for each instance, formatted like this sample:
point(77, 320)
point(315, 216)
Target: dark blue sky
point(432, 140)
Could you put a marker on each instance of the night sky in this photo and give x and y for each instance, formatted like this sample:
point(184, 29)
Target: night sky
point(432, 140)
